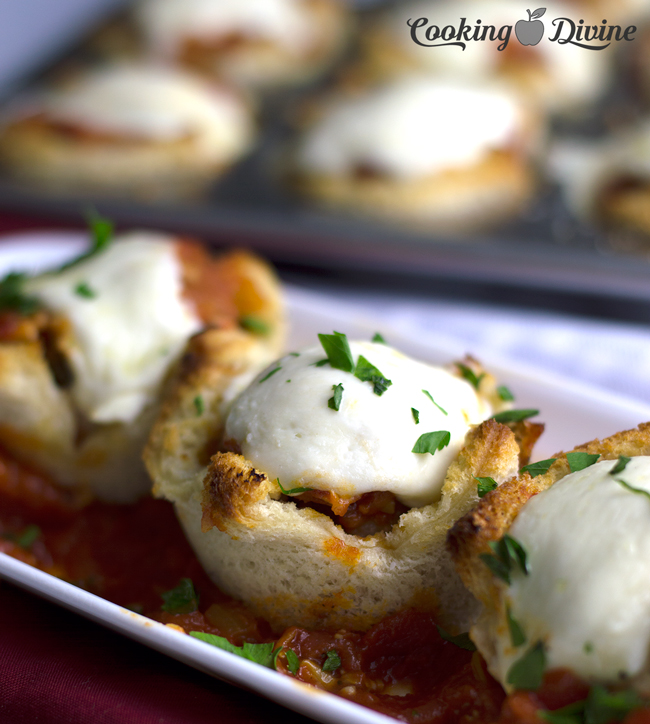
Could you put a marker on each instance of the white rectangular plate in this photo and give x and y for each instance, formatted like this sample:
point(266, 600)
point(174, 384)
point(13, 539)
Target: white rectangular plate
point(573, 413)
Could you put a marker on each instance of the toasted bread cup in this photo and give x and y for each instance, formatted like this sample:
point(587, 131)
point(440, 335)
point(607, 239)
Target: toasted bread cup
point(43, 418)
point(473, 543)
point(290, 563)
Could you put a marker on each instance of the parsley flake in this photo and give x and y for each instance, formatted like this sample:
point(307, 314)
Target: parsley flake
point(621, 464)
point(431, 442)
point(528, 671)
point(602, 706)
point(29, 536)
point(294, 354)
point(292, 491)
point(538, 468)
point(320, 363)
point(199, 405)
point(485, 485)
point(254, 324)
point(632, 489)
point(505, 394)
point(416, 415)
point(13, 296)
point(84, 290)
point(293, 662)
point(367, 372)
point(263, 654)
point(507, 553)
point(270, 374)
point(580, 460)
point(514, 415)
point(378, 338)
point(182, 599)
point(333, 661)
point(442, 409)
point(101, 232)
point(338, 351)
point(334, 403)
point(588, 648)
point(470, 375)
point(517, 635)
point(463, 640)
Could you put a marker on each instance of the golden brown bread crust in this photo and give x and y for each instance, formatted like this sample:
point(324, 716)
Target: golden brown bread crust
point(295, 566)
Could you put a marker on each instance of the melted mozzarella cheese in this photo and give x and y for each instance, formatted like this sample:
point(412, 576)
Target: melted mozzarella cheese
point(154, 103)
point(124, 336)
point(169, 22)
point(284, 426)
point(587, 595)
point(412, 128)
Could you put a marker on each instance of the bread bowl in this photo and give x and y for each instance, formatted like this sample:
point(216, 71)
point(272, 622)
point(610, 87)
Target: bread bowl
point(322, 560)
point(128, 128)
point(436, 153)
point(250, 43)
point(85, 350)
point(577, 591)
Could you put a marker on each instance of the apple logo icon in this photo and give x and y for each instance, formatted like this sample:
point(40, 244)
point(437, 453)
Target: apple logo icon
point(531, 31)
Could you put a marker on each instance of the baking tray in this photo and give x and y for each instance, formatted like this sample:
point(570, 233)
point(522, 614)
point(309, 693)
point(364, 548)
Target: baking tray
point(545, 259)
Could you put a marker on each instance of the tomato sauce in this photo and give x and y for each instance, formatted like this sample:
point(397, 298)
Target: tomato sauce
point(130, 555)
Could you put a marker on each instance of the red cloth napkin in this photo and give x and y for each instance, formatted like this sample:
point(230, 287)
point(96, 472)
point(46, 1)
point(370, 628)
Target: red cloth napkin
point(58, 668)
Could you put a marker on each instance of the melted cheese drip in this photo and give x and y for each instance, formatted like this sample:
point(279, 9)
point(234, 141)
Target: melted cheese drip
point(587, 595)
point(287, 429)
point(126, 336)
point(153, 103)
point(168, 22)
point(414, 127)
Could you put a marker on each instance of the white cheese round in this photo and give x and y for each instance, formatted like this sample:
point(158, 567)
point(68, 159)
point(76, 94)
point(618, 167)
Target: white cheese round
point(587, 595)
point(129, 323)
point(286, 428)
point(149, 102)
point(412, 128)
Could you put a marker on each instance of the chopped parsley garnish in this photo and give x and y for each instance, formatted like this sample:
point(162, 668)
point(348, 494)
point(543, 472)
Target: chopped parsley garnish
point(588, 648)
point(293, 662)
point(292, 491)
point(334, 403)
point(338, 351)
point(621, 464)
point(270, 374)
point(580, 460)
point(416, 415)
point(514, 415)
point(632, 489)
point(485, 485)
point(199, 405)
point(507, 554)
point(254, 324)
point(333, 661)
point(367, 372)
point(294, 354)
point(182, 599)
point(263, 654)
point(517, 635)
point(538, 468)
point(29, 536)
point(528, 671)
point(505, 394)
point(13, 296)
point(83, 290)
point(101, 231)
point(378, 338)
point(320, 363)
point(431, 442)
point(470, 375)
point(463, 640)
point(442, 409)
